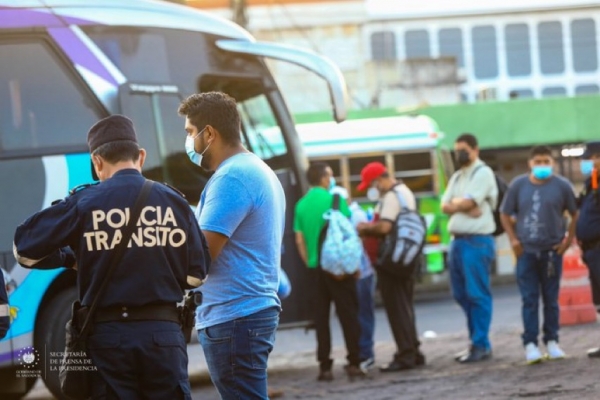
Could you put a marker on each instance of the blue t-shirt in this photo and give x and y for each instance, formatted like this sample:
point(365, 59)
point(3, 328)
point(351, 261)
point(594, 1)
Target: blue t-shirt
point(539, 210)
point(244, 201)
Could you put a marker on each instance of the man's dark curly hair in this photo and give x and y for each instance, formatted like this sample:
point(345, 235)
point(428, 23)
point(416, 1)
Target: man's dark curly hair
point(216, 109)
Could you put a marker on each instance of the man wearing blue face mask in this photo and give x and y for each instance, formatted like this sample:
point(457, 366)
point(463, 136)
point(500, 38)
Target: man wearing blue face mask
point(538, 202)
point(242, 215)
point(588, 226)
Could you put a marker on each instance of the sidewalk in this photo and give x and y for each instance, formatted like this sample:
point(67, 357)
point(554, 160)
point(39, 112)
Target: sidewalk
point(293, 367)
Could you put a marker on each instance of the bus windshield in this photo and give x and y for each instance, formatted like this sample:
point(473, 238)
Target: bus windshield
point(154, 55)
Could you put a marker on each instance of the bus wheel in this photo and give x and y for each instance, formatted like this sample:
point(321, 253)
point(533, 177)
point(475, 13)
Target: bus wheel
point(50, 335)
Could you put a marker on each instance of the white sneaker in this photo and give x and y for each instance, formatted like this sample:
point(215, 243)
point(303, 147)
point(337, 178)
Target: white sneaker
point(532, 353)
point(554, 351)
point(367, 364)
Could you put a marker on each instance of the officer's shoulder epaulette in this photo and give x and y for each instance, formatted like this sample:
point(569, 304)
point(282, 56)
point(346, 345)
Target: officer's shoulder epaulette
point(174, 189)
point(79, 188)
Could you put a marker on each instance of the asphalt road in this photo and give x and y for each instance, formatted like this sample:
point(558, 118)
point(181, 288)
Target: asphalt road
point(437, 315)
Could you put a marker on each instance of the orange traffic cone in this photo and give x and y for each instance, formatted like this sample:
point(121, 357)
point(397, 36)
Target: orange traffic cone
point(575, 298)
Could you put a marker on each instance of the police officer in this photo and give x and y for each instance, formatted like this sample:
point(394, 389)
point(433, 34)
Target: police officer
point(136, 343)
point(588, 225)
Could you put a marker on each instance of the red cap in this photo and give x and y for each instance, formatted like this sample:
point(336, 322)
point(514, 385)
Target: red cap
point(369, 173)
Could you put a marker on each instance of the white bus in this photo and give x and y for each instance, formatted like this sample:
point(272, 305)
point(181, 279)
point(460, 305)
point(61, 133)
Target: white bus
point(64, 64)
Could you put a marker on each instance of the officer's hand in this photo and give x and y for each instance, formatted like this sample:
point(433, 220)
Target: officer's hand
point(74, 266)
point(516, 246)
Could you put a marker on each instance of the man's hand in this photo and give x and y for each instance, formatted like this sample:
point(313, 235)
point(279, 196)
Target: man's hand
point(362, 227)
point(474, 212)
point(516, 246)
point(449, 208)
point(562, 247)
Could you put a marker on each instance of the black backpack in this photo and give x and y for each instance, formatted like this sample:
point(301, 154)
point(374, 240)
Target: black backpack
point(502, 189)
point(401, 250)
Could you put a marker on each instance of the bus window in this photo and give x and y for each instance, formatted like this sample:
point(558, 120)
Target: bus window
point(258, 119)
point(415, 171)
point(41, 109)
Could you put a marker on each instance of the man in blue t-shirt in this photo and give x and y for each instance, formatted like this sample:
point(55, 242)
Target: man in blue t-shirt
point(538, 202)
point(242, 215)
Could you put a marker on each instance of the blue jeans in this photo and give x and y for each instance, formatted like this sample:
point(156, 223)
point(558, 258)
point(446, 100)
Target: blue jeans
point(470, 259)
point(535, 275)
point(365, 288)
point(237, 353)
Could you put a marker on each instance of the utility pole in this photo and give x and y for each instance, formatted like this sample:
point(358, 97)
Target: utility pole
point(239, 11)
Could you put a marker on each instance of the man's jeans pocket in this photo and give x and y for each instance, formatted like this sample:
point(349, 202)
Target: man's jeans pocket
point(261, 344)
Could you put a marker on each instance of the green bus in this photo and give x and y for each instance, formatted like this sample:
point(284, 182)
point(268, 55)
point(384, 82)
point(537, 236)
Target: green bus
point(410, 147)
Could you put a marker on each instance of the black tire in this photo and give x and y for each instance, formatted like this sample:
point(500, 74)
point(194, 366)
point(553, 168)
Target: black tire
point(50, 335)
point(9, 385)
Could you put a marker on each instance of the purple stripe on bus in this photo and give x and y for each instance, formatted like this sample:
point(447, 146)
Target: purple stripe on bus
point(27, 18)
point(22, 18)
point(79, 53)
point(8, 356)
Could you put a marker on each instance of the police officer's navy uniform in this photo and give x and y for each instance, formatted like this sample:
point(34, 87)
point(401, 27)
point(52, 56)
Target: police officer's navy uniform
point(588, 228)
point(588, 232)
point(136, 342)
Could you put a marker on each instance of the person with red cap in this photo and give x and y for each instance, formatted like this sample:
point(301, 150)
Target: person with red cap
point(396, 292)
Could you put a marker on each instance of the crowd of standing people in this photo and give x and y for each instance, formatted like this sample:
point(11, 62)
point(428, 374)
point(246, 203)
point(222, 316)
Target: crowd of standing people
point(229, 248)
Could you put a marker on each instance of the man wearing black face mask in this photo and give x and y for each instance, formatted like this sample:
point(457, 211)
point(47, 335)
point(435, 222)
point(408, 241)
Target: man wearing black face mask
point(470, 199)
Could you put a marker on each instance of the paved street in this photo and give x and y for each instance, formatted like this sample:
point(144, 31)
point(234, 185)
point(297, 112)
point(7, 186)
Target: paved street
point(293, 368)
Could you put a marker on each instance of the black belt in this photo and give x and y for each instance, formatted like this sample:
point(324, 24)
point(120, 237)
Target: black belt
point(152, 312)
point(466, 235)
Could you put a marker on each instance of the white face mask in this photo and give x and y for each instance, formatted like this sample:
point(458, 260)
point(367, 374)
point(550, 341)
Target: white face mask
point(191, 150)
point(373, 194)
point(331, 182)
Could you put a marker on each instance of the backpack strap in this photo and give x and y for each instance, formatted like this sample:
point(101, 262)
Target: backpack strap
point(477, 169)
point(401, 199)
point(336, 202)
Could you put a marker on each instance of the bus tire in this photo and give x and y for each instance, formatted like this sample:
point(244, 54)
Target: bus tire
point(50, 335)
